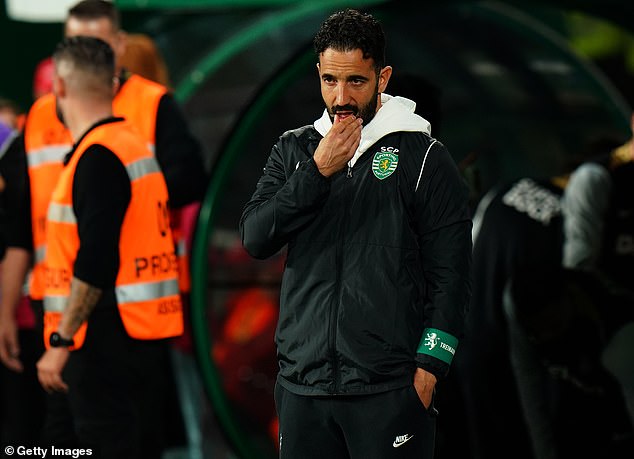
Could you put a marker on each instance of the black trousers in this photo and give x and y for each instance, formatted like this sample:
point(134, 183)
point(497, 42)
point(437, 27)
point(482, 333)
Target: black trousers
point(116, 398)
point(389, 425)
point(22, 399)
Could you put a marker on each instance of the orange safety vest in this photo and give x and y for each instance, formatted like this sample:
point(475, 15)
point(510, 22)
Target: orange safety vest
point(146, 288)
point(136, 97)
point(47, 141)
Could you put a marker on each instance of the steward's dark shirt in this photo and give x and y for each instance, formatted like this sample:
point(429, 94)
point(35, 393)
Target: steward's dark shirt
point(101, 195)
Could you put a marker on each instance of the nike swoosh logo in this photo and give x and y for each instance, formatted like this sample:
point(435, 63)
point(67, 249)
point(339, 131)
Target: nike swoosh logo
point(397, 443)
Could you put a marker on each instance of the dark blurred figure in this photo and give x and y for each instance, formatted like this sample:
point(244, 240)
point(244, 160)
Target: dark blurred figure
point(21, 397)
point(598, 208)
point(569, 334)
point(509, 223)
point(517, 227)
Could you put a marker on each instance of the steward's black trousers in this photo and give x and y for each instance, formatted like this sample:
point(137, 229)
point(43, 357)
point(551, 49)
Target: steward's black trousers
point(116, 397)
point(388, 425)
point(22, 399)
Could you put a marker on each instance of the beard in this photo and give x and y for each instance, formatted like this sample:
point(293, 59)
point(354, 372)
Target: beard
point(365, 112)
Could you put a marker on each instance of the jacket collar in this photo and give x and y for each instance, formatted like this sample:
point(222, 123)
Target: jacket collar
point(395, 115)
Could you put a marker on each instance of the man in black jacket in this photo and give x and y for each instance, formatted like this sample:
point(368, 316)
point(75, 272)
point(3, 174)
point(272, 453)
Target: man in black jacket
point(375, 216)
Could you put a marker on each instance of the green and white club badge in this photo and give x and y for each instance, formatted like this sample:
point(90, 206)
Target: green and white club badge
point(384, 164)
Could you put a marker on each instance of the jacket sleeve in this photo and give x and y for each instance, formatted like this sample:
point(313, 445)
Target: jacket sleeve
point(16, 197)
point(179, 154)
point(443, 224)
point(584, 206)
point(286, 198)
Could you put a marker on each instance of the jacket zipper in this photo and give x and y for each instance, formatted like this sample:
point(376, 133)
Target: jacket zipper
point(334, 313)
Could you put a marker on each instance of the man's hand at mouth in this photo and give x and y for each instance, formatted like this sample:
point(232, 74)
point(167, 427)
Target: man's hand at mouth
point(339, 144)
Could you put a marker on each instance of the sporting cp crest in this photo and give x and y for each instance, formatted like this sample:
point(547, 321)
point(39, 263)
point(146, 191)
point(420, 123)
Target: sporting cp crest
point(431, 340)
point(384, 164)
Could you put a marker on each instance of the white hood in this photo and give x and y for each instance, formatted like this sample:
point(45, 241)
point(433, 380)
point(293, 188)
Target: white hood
point(395, 115)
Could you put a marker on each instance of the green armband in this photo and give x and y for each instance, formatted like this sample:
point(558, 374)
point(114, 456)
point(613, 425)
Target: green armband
point(439, 344)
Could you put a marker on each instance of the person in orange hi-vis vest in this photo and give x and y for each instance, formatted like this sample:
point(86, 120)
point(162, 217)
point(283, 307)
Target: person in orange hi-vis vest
point(151, 108)
point(111, 295)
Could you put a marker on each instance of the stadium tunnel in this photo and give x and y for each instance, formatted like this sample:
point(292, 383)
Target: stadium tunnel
point(503, 91)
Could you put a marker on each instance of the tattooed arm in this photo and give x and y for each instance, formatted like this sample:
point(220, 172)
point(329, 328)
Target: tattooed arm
point(82, 300)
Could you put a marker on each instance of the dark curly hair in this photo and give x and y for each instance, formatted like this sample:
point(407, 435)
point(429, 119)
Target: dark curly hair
point(96, 9)
point(350, 29)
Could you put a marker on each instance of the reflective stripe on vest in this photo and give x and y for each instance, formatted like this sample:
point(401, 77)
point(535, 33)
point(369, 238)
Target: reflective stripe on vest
point(48, 154)
point(142, 167)
point(147, 291)
point(55, 303)
point(181, 247)
point(61, 213)
point(40, 253)
point(132, 293)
